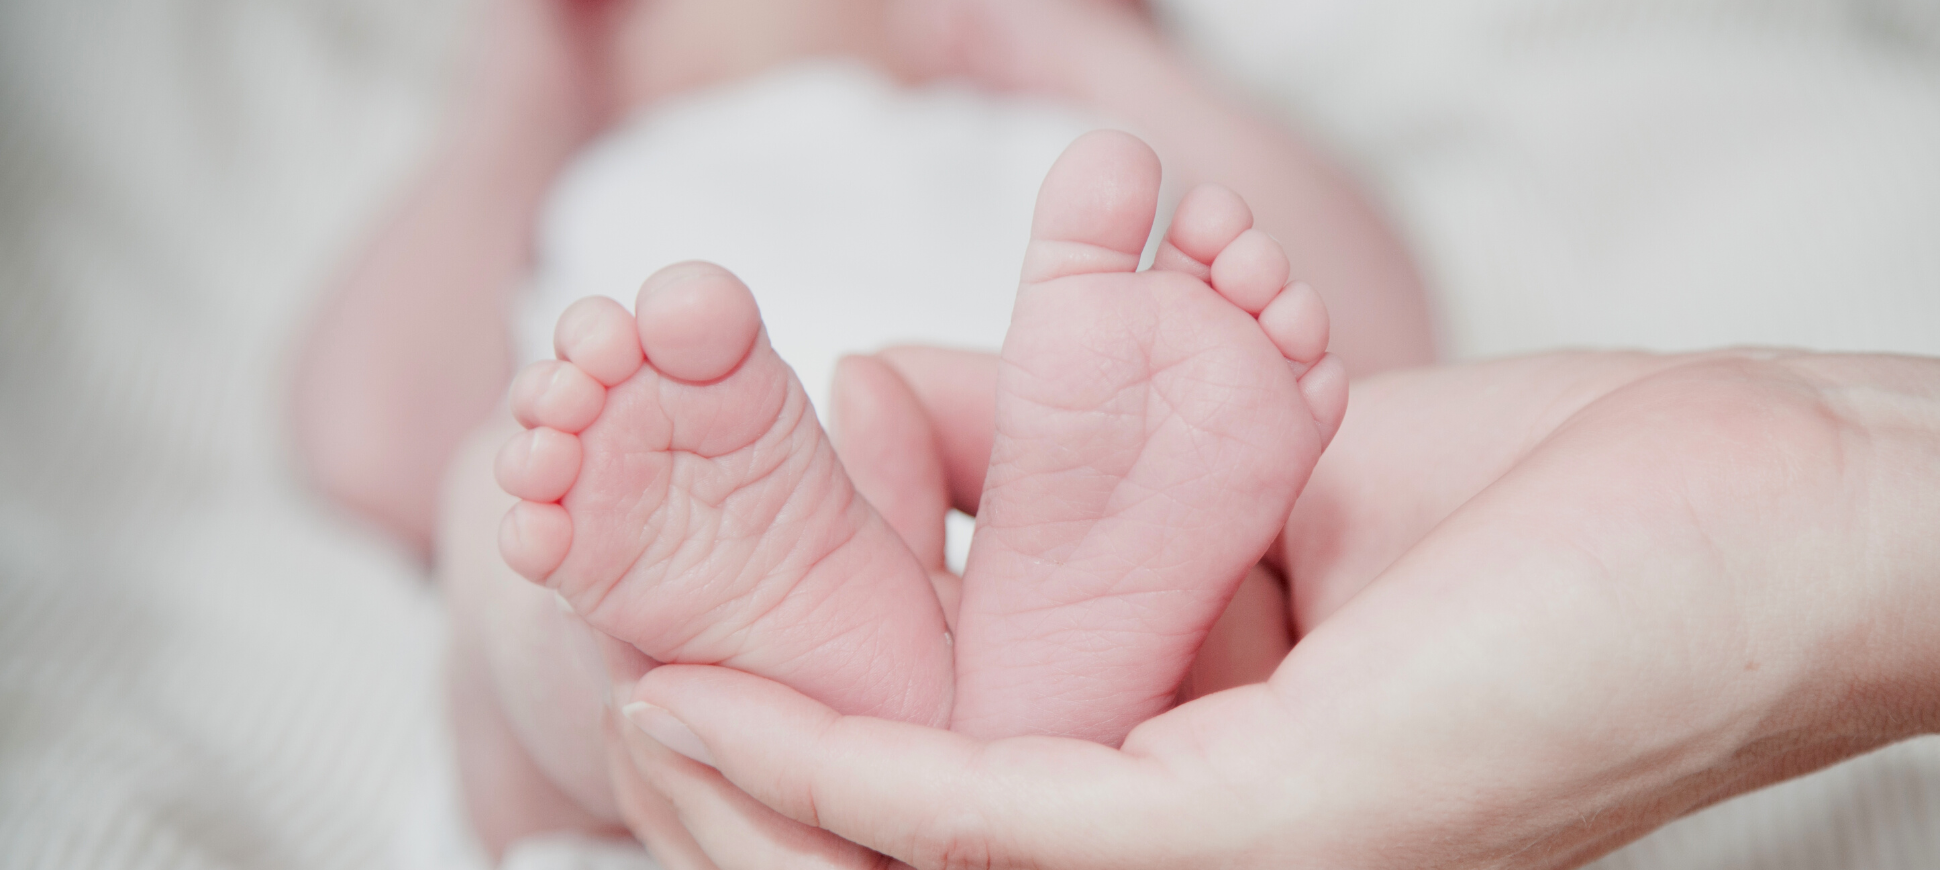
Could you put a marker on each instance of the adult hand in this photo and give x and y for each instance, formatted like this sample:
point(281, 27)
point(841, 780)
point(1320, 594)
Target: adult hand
point(1547, 605)
point(913, 463)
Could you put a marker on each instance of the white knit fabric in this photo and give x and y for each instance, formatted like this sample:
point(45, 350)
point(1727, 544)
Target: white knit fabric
point(1660, 174)
point(859, 212)
point(201, 666)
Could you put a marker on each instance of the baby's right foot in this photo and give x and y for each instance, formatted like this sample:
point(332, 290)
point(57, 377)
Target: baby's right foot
point(1153, 431)
point(679, 493)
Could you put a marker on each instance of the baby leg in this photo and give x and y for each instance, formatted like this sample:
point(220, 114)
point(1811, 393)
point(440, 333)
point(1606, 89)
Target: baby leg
point(1110, 58)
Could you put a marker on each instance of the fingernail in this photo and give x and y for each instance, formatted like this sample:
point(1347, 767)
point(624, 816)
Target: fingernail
point(667, 731)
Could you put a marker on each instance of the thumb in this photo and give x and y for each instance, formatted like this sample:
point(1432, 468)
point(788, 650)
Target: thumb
point(926, 796)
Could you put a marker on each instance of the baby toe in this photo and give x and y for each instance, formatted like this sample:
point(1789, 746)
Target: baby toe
point(533, 539)
point(527, 386)
point(597, 335)
point(1251, 271)
point(697, 321)
point(1296, 321)
point(538, 464)
point(1208, 219)
point(557, 395)
point(1324, 386)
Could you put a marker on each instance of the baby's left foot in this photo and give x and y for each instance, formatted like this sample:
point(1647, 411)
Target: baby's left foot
point(1153, 431)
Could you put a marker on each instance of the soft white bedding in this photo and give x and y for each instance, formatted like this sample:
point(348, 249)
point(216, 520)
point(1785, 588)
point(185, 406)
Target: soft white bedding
point(1625, 173)
point(859, 212)
point(202, 666)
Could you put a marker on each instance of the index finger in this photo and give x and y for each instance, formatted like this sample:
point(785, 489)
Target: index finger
point(958, 389)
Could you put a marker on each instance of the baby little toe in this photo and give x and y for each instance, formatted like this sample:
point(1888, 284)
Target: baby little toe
point(597, 335)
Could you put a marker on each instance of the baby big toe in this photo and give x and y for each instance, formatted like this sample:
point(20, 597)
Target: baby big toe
point(1251, 271)
point(1095, 208)
point(1296, 321)
point(557, 395)
point(534, 538)
point(697, 321)
point(597, 335)
point(538, 464)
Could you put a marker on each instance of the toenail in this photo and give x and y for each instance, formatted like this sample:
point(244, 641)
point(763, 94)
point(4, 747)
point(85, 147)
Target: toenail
point(668, 731)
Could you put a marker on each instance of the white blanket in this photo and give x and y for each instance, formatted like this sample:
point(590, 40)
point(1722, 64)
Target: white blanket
point(202, 666)
point(859, 212)
point(1623, 173)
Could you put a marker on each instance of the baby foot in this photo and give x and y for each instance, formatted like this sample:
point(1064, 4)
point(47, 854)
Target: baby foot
point(1153, 430)
point(680, 495)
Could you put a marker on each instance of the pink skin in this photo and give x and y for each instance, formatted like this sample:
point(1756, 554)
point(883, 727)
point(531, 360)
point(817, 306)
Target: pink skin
point(410, 351)
point(1109, 336)
point(701, 515)
point(1152, 430)
point(1109, 58)
point(1563, 601)
point(679, 494)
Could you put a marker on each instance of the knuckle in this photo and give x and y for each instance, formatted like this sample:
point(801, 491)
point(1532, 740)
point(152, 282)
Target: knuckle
point(1750, 409)
point(957, 839)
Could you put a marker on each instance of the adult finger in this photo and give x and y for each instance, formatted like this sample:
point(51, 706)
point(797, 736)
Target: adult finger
point(686, 814)
point(732, 829)
point(1413, 448)
point(1249, 641)
point(648, 814)
point(888, 444)
point(886, 441)
point(938, 799)
point(958, 388)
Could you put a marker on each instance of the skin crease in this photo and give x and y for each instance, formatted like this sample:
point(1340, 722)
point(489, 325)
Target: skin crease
point(1332, 589)
point(1657, 583)
point(410, 352)
point(1339, 579)
point(1778, 729)
point(1264, 419)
